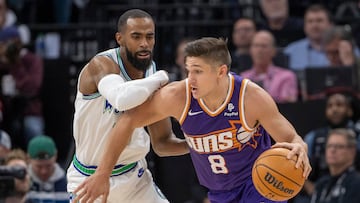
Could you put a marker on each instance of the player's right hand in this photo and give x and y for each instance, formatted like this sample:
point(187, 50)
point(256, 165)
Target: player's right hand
point(299, 150)
point(93, 187)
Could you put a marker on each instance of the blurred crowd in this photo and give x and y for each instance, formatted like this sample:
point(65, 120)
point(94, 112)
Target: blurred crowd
point(311, 54)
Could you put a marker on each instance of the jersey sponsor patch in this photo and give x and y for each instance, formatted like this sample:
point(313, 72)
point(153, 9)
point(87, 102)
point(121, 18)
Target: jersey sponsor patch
point(230, 112)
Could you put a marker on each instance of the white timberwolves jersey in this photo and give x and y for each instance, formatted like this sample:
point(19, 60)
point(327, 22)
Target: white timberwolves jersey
point(95, 117)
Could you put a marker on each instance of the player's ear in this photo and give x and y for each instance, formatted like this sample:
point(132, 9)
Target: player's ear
point(118, 37)
point(223, 70)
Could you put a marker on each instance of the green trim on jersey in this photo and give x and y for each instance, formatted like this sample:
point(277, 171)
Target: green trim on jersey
point(91, 96)
point(89, 170)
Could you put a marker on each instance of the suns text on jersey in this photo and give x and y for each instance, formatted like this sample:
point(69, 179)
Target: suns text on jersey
point(222, 141)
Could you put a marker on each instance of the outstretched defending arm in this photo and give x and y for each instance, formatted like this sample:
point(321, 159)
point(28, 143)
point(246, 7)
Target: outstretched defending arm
point(126, 95)
point(101, 75)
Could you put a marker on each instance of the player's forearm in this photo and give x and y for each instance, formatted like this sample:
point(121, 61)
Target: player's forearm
point(126, 95)
point(171, 147)
point(114, 146)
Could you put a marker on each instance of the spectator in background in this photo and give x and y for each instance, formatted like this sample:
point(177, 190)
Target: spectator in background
point(339, 114)
point(17, 159)
point(5, 146)
point(280, 83)
point(341, 49)
point(343, 183)
point(308, 52)
point(277, 20)
point(244, 30)
point(48, 178)
point(339, 46)
point(177, 71)
point(23, 72)
point(8, 19)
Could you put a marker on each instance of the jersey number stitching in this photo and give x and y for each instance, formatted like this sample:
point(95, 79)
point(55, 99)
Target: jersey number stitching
point(218, 164)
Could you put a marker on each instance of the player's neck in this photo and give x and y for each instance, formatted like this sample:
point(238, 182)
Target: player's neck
point(130, 69)
point(134, 73)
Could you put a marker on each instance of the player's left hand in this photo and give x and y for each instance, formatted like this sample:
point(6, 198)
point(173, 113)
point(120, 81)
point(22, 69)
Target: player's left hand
point(298, 150)
point(93, 187)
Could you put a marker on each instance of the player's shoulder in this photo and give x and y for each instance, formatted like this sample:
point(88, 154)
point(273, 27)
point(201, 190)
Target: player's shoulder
point(173, 93)
point(256, 95)
point(96, 68)
point(174, 97)
point(175, 88)
point(252, 88)
point(101, 60)
point(102, 63)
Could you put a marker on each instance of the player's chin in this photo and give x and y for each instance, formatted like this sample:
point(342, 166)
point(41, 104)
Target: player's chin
point(196, 96)
point(195, 93)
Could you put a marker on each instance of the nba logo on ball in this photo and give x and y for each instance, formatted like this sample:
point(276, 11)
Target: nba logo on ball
point(275, 177)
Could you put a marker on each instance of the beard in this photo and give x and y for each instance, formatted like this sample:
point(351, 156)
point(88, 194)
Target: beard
point(139, 64)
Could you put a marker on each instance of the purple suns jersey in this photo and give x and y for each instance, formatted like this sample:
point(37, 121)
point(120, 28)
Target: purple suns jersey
point(222, 146)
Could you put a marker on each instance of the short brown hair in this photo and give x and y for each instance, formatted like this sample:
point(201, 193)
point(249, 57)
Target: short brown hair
point(319, 8)
point(214, 50)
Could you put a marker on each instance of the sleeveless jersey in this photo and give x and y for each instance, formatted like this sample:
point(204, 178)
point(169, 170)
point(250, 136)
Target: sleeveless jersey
point(223, 147)
point(94, 118)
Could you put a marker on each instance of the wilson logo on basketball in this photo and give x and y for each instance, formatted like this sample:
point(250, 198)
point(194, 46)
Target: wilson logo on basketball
point(279, 185)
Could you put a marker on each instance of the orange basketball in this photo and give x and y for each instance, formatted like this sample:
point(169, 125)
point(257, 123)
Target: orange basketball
point(275, 177)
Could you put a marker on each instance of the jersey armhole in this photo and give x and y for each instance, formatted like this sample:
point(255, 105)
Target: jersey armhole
point(187, 103)
point(244, 84)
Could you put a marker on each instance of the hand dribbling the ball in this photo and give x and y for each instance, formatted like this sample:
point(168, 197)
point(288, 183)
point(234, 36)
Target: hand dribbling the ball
point(299, 150)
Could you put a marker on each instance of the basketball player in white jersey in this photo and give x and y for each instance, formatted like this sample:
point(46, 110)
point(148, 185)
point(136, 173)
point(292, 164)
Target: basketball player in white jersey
point(106, 88)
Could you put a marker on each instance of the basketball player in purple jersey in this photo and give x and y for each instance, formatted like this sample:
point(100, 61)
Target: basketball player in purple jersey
point(227, 121)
